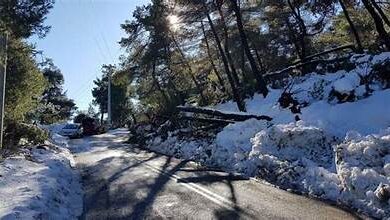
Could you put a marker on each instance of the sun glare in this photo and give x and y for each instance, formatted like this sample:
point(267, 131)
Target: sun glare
point(174, 22)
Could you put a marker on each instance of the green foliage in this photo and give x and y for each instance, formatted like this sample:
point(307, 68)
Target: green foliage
point(31, 133)
point(120, 95)
point(25, 82)
point(18, 132)
point(91, 112)
point(22, 18)
point(79, 118)
point(340, 32)
point(54, 106)
point(100, 91)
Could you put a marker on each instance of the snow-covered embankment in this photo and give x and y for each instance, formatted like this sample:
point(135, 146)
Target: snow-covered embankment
point(40, 183)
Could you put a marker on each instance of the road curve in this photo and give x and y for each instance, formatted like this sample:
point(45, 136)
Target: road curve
point(122, 182)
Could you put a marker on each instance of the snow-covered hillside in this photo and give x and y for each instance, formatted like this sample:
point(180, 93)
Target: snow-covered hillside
point(40, 183)
point(339, 150)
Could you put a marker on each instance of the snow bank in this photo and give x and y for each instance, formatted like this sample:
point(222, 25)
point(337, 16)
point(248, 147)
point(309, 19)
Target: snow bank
point(190, 149)
point(293, 142)
point(304, 158)
point(40, 184)
point(233, 143)
point(363, 166)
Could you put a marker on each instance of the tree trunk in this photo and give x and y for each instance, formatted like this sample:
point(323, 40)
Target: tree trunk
point(301, 38)
point(380, 11)
point(101, 117)
point(352, 26)
point(236, 94)
point(134, 118)
point(378, 23)
point(221, 114)
point(227, 49)
point(171, 76)
point(220, 79)
point(184, 60)
point(261, 65)
point(155, 80)
point(260, 80)
point(246, 77)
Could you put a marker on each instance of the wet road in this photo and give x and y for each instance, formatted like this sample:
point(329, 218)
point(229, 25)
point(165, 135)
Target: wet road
point(122, 182)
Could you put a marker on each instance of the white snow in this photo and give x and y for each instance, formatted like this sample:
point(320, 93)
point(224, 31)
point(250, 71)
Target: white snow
point(347, 84)
point(380, 58)
point(40, 183)
point(366, 116)
point(338, 151)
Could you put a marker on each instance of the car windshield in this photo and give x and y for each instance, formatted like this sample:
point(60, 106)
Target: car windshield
point(71, 126)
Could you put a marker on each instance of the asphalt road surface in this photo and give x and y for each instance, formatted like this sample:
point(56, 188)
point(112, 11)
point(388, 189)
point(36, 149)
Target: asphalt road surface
point(123, 182)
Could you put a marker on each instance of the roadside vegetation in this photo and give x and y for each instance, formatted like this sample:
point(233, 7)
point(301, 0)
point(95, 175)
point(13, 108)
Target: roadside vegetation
point(34, 93)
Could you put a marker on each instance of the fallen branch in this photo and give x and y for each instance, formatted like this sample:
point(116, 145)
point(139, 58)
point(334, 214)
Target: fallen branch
point(280, 72)
point(223, 115)
point(348, 46)
point(207, 120)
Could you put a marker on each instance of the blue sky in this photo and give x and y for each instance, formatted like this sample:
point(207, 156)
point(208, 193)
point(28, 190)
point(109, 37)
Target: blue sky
point(85, 35)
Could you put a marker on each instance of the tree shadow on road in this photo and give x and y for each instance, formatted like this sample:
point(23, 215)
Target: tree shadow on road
point(98, 197)
point(163, 178)
point(210, 177)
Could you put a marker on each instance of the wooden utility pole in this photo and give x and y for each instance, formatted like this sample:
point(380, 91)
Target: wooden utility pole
point(109, 100)
point(3, 76)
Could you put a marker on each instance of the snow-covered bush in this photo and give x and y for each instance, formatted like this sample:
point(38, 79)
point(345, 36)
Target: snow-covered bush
point(21, 134)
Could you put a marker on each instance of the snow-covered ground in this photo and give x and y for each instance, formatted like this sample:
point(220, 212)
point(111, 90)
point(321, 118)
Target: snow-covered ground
point(339, 151)
point(40, 183)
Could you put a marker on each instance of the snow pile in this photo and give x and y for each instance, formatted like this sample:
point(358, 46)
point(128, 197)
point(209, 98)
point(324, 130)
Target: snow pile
point(233, 144)
point(293, 142)
point(40, 184)
point(347, 84)
point(305, 158)
point(190, 149)
point(363, 168)
point(296, 156)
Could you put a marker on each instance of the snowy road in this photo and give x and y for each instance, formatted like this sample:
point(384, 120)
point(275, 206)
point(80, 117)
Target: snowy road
point(122, 182)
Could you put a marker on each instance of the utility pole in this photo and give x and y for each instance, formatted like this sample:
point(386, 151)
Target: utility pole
point(3, 76)
point(109, 99)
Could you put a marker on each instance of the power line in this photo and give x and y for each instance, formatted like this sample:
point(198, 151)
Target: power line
point(108, 50)
point(84, 87)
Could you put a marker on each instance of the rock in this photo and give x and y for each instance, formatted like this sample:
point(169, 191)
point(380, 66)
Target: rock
point(383, 192)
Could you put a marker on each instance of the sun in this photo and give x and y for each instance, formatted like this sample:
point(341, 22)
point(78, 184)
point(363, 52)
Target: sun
point(174, 22)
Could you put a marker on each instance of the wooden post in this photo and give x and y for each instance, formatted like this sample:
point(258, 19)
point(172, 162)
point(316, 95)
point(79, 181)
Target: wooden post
point(3, 76)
